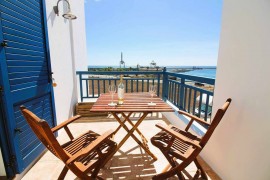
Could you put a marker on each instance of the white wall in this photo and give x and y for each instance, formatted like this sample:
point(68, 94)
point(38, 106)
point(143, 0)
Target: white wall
point(67, 41)
point(2, 167)
point(239, 149)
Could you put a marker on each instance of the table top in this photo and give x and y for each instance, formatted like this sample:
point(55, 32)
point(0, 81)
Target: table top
point(133, 102)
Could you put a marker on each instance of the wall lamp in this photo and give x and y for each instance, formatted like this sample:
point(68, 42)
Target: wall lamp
point(68, 14)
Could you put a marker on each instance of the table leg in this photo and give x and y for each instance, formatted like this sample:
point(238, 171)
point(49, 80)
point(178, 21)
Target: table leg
point(131, 123)
point(118, 128)
point(130, 133)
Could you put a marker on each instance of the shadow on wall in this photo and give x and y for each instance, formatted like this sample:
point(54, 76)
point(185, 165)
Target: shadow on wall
point(52, 14)
point(74, 94)
point(51, 17)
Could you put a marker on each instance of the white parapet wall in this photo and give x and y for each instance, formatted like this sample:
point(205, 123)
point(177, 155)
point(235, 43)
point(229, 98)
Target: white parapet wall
point(2, 168)
point(239, 148)
point(68, 54)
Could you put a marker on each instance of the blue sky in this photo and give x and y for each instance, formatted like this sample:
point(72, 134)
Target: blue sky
point(170, 32)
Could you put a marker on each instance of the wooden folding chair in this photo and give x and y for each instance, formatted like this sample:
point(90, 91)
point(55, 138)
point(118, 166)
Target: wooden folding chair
point(83, 155)
point(181, 147)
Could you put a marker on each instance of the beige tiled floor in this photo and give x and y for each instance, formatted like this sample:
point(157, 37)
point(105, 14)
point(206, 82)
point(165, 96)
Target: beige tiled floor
point(130, 162)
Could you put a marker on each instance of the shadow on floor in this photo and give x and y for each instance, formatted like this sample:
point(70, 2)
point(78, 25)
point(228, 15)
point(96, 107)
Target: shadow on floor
point(129, 166)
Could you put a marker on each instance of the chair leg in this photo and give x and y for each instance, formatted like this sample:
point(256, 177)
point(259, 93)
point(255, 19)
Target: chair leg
point(101, 164)
point(202, 172)
point(169, 172)
point(174, 170)
point(63, 173)
point(173, 164)
point(197, 174)
point(94, 174)
point(100, 178)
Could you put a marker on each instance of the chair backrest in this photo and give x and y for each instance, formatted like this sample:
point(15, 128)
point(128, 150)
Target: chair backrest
point(44, 133)
point(217, 118)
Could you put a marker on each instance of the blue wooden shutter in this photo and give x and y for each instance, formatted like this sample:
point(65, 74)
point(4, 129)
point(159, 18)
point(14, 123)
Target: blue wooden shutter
point(26, 74)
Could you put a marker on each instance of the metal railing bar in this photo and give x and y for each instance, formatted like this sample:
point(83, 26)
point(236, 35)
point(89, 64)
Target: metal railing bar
point(126, 82)
point(185, 97)
point(194, 101)
point(137, 85)
point(93, 88)
point(143, 85)
point(132, 85)
point(200, 104)
point(206, 108)
point(158, 85)
point(189, 99)
point(98, 82)
point(193, 78)
point(104, 88)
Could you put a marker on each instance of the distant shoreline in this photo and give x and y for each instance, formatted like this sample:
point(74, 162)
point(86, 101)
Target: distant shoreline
point(202, 71)
point(168, 67)
point(177, 69)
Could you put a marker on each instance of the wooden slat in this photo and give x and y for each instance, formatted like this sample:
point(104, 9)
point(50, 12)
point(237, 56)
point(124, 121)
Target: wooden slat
point(23, 45)
point(83, 110)
point(25, 63)
point(28, 79)
point(21, 40)
point(11, 50)
point(25, 29)
point(13, 16)
point(133, 102)
point(27, 140)
point(23, 10)
point(26, 74)
point(27, 85)
point(25, 57)
point(27, 69)
point(21, 34)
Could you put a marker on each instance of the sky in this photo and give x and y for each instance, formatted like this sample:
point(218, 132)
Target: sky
point(169, 32)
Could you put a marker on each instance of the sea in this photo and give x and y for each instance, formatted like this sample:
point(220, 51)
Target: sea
point(210, 73)
point(203, 71)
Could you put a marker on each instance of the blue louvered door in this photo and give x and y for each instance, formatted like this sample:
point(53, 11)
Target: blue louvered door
point(25, 74)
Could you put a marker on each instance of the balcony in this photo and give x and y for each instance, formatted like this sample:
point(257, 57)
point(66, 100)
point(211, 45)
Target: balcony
point(240, 146)
point(131, 162)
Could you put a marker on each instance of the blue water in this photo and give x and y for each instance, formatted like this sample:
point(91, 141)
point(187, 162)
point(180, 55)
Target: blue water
point(211, 73)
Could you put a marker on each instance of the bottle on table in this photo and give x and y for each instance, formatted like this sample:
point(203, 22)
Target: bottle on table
point(121, 91)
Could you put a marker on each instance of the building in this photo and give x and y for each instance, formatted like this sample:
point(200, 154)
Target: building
point(240, 145)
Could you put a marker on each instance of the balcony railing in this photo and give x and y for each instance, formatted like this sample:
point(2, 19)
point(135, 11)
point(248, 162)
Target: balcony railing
point(190, 93)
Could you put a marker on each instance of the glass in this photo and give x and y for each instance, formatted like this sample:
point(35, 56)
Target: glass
point(152, 91)
point(112, 91)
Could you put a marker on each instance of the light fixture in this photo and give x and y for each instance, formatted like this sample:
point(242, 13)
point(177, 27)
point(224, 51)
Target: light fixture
point(68, 14)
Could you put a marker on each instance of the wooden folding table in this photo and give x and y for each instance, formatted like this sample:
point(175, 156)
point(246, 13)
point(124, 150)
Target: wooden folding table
point(133, 103)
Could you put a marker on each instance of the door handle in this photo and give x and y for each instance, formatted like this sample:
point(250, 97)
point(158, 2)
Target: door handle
point(54, 84)
point(4, 44)
point(18, 130)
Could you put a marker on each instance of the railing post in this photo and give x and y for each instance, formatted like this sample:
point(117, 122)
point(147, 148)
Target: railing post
point(182, 87)
point(165, 84)
point(81, 88)
point(158, 85)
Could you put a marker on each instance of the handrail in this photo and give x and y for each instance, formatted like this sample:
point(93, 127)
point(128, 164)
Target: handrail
point(118, 72)
point(206, 80)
